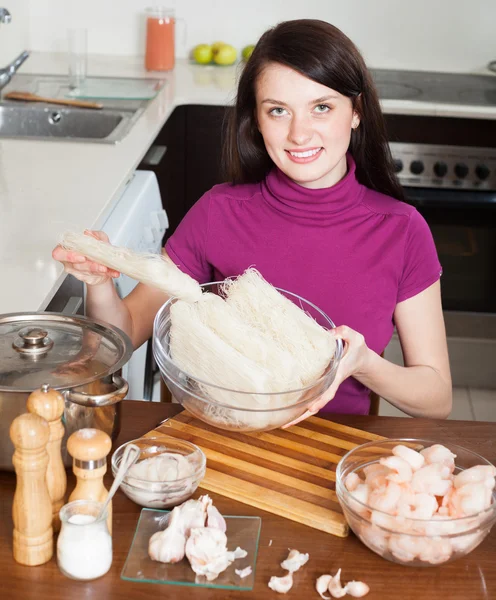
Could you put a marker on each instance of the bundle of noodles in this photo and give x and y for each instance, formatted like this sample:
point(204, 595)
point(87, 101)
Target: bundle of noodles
point(260, 305)
point(152, 269)
point(200, 352)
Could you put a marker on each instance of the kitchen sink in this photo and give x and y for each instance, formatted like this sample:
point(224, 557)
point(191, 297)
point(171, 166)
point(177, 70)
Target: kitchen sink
point(49, 122)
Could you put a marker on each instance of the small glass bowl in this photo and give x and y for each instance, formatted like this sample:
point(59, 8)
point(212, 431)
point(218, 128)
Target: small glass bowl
point(161, 494)
point(391, 537)
point(232, 409)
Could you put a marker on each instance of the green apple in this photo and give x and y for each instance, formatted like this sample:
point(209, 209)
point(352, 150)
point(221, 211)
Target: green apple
point(203, 54)
point(247, 51)
point(226, 55)
point(216, 46)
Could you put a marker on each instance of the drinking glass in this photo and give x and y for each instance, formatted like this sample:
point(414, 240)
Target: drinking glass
point(78, 56)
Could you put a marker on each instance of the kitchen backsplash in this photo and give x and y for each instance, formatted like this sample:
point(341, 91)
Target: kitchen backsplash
point(450, 35)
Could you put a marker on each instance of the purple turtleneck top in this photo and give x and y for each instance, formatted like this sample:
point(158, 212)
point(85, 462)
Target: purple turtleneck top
point(353, 252)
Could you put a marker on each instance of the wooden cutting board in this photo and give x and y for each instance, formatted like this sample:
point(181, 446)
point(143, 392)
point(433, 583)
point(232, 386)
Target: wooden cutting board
point(290, 473)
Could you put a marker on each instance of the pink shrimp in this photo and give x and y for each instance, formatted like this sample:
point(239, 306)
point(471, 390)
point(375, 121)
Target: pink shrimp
point(480, 473)
point(439, 454)
point(432, 479)
point(402, 471)
point(437, 550)
point(406, 548)
point(375, 475)
point(374, 537)
point(385, 498)
point(470, 499)
point(420, 506)
point(412, 457)
point(351, 481)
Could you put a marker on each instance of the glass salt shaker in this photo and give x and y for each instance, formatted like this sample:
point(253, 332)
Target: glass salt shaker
point(84, 545)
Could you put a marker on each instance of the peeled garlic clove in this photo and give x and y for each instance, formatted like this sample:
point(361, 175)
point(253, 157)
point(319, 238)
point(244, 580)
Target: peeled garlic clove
point(335, 588)
point(294, 561)
point(282, 585)
point(167, 546)
point(357, 589)
point(322, 584)
point(215, 519)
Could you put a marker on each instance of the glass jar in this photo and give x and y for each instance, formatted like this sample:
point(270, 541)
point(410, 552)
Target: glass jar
point(84, 546)
point(160, 39)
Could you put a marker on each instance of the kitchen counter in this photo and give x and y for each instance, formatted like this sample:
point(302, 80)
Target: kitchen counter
point(48, 187)
point(473, 577)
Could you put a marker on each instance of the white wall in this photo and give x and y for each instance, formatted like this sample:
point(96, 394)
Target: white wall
point(14, 37)
point(452, 35)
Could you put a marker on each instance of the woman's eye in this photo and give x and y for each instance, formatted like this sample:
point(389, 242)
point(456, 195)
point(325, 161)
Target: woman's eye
point(322, 108)
point(277, 111)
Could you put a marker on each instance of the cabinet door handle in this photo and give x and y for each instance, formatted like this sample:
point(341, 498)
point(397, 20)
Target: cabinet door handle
point(154, 155)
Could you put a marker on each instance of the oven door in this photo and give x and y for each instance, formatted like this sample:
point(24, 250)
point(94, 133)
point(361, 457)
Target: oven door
point(463, 224)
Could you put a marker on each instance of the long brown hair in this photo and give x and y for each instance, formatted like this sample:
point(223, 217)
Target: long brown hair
point(323, 53)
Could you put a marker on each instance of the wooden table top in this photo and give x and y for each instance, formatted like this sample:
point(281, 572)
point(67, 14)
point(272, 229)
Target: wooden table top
point(470, 578)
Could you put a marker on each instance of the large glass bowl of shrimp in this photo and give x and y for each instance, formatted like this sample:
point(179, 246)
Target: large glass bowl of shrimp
point(417, 502)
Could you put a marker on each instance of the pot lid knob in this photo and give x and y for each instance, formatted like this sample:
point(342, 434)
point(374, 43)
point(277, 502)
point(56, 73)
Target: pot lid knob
point(89, 445)
point(33, 340)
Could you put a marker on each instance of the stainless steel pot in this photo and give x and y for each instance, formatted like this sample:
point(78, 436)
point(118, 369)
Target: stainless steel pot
point(76, 355)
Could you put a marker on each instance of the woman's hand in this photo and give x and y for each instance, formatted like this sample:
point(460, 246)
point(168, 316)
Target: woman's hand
point(353, 362)
point(83, 268)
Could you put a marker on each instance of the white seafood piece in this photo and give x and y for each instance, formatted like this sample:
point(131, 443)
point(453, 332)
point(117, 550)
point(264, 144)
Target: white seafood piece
point(423, 506)
point(215, 519)
point(374, 537)
point(322, 584)
point(357, 589)
point(438, 453)
point(360, 493)
point(335, 588)
point(470, 499)
point(402, 471)
point(479, 473)
point(439, 525)
point(391, 522)
point(281, 584)
point(167, 546)
point(375, 475)
point(242, 573)
point(406, 548)
point(432, 479)
point(385, 498)
point(352, 480)
point(466, 543)
point(206, 550)
point(412, 457)
point(294, 561)
point(436, 550)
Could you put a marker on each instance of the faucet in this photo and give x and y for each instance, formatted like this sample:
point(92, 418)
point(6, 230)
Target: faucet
point(5, 16)
point(7, 72)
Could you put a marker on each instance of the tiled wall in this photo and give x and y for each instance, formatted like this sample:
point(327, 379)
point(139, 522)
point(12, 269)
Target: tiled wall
point(453, 35)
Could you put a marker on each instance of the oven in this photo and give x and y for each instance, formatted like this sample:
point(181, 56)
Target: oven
point(447, 168)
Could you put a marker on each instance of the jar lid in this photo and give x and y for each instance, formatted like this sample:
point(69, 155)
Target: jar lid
point(59, 350)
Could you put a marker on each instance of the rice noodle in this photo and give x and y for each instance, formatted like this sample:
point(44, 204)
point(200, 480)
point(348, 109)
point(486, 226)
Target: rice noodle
point(156, 270)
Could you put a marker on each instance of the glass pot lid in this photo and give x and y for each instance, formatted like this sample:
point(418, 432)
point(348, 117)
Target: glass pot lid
point(63, 351)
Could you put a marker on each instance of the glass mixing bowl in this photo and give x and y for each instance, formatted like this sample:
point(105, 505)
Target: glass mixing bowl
point(199, 397)
point(407, 541)
point(154, 493)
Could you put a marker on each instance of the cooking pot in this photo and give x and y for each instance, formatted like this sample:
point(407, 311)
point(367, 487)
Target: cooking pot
point(76, 355)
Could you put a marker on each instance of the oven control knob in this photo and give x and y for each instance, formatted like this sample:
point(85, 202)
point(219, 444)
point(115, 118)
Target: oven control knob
point(461, 170)
point(417, 167)
point(440, 169)
point(398, 165)
point(482, 172)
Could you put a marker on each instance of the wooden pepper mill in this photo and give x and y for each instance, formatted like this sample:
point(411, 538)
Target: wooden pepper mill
point(49, 404)
point(89, 449)
point(32, 508)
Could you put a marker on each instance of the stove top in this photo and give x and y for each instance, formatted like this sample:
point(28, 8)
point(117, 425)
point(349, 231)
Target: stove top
point(440, 88)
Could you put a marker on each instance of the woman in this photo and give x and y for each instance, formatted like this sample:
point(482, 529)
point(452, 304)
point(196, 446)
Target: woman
point(315, 207)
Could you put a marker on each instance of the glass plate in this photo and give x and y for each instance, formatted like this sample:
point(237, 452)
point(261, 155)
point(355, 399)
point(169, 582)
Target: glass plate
point(241, 531)
point(118, 88)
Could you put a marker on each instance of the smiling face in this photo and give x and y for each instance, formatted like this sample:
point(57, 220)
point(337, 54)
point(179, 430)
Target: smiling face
point(306, 126)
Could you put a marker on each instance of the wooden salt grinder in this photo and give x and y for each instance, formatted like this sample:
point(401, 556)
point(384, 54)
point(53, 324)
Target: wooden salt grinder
point(89, 449)
point(49, 404)
point(32, 508)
